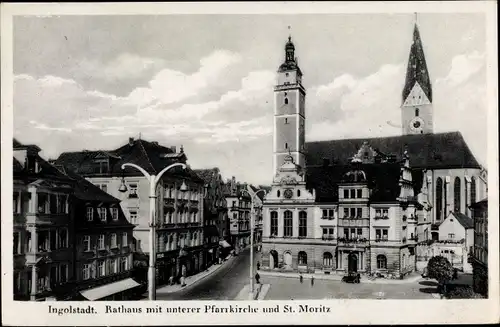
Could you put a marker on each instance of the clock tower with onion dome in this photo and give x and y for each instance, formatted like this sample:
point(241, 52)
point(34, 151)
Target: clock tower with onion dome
point(416, 109)
point(289, 111)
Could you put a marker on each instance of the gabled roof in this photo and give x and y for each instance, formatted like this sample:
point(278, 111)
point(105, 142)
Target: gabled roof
point(206, 174)
point(430, 151)
point(151, 156)
point(416, 71)
point(17, 166)
point(465, 221)
point(482, 203)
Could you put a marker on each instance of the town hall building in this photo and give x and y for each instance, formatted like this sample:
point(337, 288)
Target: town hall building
point(363, 205)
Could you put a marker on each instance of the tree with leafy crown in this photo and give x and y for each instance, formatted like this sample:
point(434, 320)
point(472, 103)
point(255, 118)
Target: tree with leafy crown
point(440, 269)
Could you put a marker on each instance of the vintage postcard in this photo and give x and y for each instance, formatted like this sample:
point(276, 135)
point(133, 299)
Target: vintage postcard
point(249, 163)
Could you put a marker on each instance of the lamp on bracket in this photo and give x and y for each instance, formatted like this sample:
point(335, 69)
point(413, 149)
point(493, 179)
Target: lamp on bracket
point(123, 187)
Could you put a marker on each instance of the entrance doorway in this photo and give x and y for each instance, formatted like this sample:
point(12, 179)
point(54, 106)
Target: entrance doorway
point(352, 262)
point(287, 258)
point(273, 259)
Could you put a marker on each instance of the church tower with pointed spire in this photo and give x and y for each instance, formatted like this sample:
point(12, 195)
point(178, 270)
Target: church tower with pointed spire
point(416, 108)
point(289, 111)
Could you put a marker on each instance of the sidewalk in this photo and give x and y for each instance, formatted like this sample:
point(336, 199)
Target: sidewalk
point(194, 279)
point(364, 279)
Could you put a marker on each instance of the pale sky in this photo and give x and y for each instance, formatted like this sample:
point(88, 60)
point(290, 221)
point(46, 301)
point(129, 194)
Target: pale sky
point(206, 81)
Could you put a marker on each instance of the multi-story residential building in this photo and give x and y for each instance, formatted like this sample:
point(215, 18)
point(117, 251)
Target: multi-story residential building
point(445, 177)
point(238, 204)
point(103, 245)
point(479, 258)
point(179, 210)
point(215, 215)
point(43, 235)
point(258, 201)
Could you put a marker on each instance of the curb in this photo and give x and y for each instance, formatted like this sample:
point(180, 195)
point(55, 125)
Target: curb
point(339, 278)
point(229, 258)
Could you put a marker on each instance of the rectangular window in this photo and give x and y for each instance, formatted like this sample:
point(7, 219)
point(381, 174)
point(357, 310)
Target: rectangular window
point(113, 240)
point(288, 224)
point(302, 225)
point(16, 200)
point(86, 271)
point(16, 243)
point(43, 201)
point(346, 194)
point(101, 270)
point(451, 236)
point(360, 232)
point(123, 264)
point(353, 212)
point(53, 239)
point(124, 239)
point(104, 187)
point(133, 216)
point(346, 212)
point(385, 234)
point(353, 193)
point(325, 212)
point(378, 234)
point(63, 273)
point(114, 213)
point(346, 232)
point(63, 238)
point(330, 213)
point(90, 213)
point(102, 213)
point(325, 231)
point(86, 243)
point(112, 266)
point(359, 212)
point(385, 212)
point(132, 190)
point(53, 203)
point(359, 193)
point(378, 213)
point(102, 243)
point(353, 233)
point(330, 231)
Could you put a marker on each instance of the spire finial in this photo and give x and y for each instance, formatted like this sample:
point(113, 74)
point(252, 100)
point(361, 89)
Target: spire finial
point(289, 33)
point(416, 18)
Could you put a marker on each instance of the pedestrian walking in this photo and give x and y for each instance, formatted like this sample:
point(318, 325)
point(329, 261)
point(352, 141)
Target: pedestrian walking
point(258, 265)
point(312, 280)
point(257, 278)
point(301, 278)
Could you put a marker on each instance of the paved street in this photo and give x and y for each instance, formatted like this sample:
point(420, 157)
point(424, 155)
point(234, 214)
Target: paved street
point(223, 284)
point(291, 288)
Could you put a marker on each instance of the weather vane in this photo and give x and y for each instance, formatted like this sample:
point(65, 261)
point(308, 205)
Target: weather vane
point(289, 33)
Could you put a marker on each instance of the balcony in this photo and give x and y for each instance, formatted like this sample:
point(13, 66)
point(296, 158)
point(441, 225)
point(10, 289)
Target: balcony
point(352, 242)
point(379, 217)
point(381, 239)
point(354, 222)
point(328, 218)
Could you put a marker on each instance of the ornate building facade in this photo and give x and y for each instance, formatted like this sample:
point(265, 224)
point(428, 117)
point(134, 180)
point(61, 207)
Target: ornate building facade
point(316, 218)
point(43, 226)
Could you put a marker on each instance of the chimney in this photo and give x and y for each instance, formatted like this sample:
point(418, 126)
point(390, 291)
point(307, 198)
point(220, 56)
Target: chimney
point(173, 148)
point(130, 141)
point(326, 162)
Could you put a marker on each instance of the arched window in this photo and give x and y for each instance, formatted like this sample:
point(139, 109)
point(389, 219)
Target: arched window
point(302, 258)
point(286, 100)
point(473, 190)
point(286, 145)
point(286, 120)
point(416, 112)
point(287, 224)
point(278, 193)
point(404, 261)
point(439, 198)
point(456, 195)
point(274, 223)
point(327, 259)
point(302, 224)
point(381, 261)
point(298, 193)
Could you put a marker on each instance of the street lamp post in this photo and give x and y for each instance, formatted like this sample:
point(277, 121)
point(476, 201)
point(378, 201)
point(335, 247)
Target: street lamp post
point(153, 181)
point(252, 223)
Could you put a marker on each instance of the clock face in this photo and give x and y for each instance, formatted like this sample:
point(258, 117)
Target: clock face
point(288, 194)
point(416, 124)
